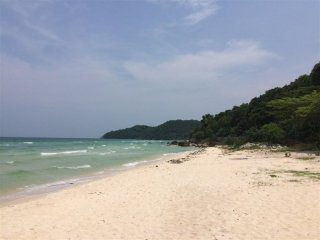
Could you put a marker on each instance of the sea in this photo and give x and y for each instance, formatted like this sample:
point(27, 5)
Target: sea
point(30, 166)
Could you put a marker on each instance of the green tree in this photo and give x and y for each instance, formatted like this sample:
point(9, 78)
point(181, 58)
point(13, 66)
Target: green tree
point(292, 110)
point(272, 133)
point(315, 74)
point(307, 106)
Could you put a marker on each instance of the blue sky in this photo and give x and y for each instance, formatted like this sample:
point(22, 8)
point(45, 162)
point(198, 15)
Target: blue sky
point(81, 68)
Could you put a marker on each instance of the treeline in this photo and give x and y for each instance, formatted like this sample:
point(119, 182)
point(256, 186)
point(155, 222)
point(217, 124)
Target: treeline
point(287, 115)
point(170, 130)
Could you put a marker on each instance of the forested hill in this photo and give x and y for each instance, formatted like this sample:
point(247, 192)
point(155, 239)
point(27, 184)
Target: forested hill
point(290, 114)
point(174, 129)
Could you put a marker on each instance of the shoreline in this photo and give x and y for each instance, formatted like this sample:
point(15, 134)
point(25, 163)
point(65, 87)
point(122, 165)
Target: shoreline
point(38, 191)
point(213, 194)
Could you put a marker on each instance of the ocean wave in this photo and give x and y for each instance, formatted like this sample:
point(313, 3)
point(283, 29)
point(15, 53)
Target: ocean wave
point(10, 162)
point(65, 152)
point(5, 145)
point(139, 141)
point(133, 164)
point(168, 154)
point(20, 173)
point(28, 142)
point(42, 187)
point(132, 147)
point(105, 153)
point(91, 148)
point(74, 167)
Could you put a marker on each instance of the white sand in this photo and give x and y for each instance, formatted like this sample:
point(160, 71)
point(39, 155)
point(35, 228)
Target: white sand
point(214, 195)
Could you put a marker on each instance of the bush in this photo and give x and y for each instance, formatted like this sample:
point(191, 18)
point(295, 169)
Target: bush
point(253, 135)
point(198, 136)
point(240, 141)
point(272, 133)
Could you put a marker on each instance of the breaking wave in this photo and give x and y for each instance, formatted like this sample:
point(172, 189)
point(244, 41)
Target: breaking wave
point(105, 153)
point(65, 152)
point(133, 164)
point(74, 167)
point(168, 154)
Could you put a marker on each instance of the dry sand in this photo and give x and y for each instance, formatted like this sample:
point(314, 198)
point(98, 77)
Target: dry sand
point(213, 195)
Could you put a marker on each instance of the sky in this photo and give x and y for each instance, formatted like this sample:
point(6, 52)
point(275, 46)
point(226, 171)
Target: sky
point(80, 68)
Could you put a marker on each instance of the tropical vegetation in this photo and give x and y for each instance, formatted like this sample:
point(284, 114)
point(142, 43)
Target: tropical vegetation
point(287, 115)
point(170, 130)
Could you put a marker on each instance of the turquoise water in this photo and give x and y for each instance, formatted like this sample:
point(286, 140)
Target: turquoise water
point(31, 163)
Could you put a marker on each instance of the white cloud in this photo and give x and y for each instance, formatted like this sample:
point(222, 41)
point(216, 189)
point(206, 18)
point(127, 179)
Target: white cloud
point(201, 67)
point(200, 9)
point(45, 33)
point(198, 16)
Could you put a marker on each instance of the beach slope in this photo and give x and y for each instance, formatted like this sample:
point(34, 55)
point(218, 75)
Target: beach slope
point(214, 194)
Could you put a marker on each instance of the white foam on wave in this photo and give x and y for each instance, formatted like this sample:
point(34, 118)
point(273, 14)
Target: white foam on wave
point(65, 152)
point(39, 188)
point(74, 167)
point(28, 142)
point(91, 148)
point(5, 145)
point(130, 164)
point(168, 154)
point(139, 141)
point(133, 164)
point(10, 162)
point(105, 153)
point(48, 154)
point(132, 147)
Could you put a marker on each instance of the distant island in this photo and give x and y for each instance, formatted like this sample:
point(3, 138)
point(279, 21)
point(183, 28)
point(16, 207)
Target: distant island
point(170, 130)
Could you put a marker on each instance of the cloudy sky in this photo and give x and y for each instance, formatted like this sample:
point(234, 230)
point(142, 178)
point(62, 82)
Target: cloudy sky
point(79, 68)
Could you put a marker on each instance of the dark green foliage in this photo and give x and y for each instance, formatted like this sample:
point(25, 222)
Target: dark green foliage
point(300, 116)
point(271, 132)
point(178, 129)
point(136, 132)
point(289, 114)
point(315, 74)
point(175, 129)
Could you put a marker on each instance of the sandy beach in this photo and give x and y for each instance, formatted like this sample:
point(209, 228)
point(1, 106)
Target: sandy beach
point(212, 194)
